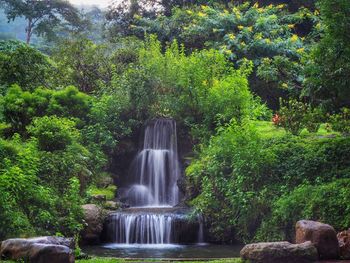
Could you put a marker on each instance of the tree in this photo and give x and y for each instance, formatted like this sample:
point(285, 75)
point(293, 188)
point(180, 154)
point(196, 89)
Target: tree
point(83, 64)
point(329, 68)
point(41, 16)
point(25, 66)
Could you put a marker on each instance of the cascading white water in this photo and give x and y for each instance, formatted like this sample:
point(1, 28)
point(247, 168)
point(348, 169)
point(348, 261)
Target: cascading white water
point(156, 167)
point(143, 228)
point(154, 173)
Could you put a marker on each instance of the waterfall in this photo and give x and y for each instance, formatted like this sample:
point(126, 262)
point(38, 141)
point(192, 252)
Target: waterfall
point(152, 194)
point(156, 169)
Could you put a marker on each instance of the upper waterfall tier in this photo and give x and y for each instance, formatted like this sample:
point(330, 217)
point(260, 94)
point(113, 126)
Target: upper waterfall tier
point(155, 170)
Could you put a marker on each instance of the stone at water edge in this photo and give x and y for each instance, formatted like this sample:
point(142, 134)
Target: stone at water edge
point(322, 236)
point(38, 250)
point(93, 217)
point(344, 244)
point(277, 252)
point(112, 205)
point(99, 198)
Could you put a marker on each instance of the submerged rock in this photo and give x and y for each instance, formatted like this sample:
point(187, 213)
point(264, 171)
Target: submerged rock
point(39, 250)
point(344, 244)
point(322, 236)
point(277, 252)
point(93, 217)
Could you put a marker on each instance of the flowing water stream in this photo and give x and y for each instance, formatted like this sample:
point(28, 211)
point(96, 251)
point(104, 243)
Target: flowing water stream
point(153, 194)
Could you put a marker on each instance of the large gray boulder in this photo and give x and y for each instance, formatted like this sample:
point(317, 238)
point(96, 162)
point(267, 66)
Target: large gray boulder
point(277, 252)
point(39, 250)
point(94, 217)
point(344, 244)
point(322, 236)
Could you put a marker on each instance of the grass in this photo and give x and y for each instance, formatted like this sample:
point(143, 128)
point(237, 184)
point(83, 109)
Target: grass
point(109, 191)
point(267, 130)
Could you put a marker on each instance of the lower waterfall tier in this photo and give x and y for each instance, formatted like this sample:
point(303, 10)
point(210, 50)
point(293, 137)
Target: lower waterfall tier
point(153, 226)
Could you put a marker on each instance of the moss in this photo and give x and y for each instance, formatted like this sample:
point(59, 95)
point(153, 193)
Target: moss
point(109, 191)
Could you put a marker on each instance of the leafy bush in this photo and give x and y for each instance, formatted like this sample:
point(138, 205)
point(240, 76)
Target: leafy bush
point(229, 174)
point(238, 176)
point(341, 122)
point(313, 119)
point(20, 107)
point(53, 133)
point(328, 67)
point(26, 204)
point(292, 116)
point(328, 203)
point(268, 35)
point(25, 66)
point(194, 88)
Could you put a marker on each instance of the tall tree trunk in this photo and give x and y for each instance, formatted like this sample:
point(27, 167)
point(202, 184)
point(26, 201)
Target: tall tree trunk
point(29, 30)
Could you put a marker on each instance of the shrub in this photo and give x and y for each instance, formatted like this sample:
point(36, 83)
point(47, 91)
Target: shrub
point(26, 206)
point(25, 66)
point(313, 119)
point(239, 175)
point(53, 133)
point(228, 175)
point(328, 203)
point(292, 115)
point(341, 122)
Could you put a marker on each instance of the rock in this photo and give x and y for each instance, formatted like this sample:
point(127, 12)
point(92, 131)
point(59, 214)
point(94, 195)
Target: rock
point(322, 236)
point(93, 217)
point(277, 252)
point(44, 253)
point(112, 205)
point(99, 198)
point(344, 244)
point(39, 250)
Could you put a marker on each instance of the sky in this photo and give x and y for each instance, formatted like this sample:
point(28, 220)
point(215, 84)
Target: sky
point(100, 3)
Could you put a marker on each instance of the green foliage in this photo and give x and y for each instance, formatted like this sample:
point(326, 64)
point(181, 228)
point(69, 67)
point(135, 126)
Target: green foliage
point(292, 116)
point(108, 122)
point(24, 66)
point(70, 220)
point(250, 179)
point(267, 35)
point(329, 67)
point(26, 204)
point(83, 64)
point(52, 133)
point(229, 173)
point(70, 103)
point(313, 119)
point(295, 115)
point(31, 203)
point(20, 107)
point(109, 191)
point(195, 88)
point(241, 173)
point(328, 203)
point(341, 122)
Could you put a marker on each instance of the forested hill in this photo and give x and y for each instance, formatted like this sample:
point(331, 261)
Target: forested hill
point(259, 91)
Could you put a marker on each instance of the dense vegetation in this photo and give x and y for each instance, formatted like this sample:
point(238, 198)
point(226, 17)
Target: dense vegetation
point(260, 89)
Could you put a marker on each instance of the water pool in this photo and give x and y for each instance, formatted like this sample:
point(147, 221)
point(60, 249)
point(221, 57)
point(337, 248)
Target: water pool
point(164, 251)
